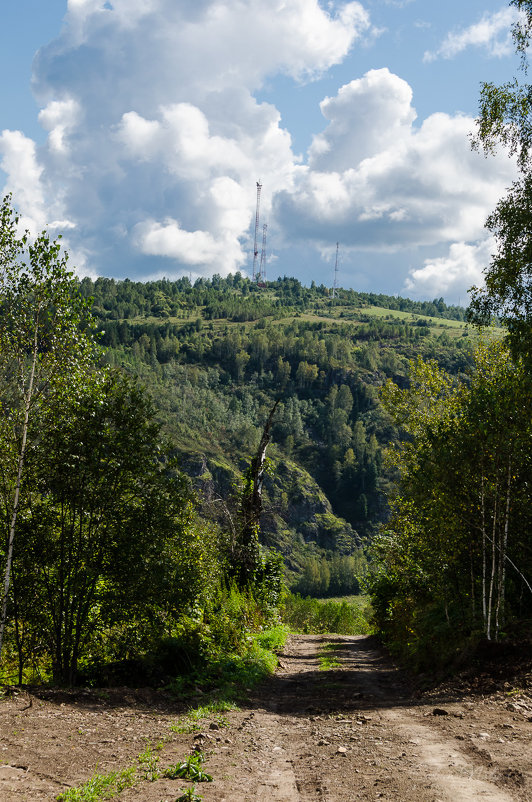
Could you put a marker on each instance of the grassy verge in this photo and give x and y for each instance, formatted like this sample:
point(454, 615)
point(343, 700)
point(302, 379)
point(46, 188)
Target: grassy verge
point(227, 679)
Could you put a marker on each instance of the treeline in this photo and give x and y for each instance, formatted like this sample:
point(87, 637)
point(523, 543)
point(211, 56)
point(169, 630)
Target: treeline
point(237, 298)
point(334, 575)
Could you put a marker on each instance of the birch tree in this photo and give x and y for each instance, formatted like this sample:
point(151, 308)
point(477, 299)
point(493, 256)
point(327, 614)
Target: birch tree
point(43, 353)
point(458, 538)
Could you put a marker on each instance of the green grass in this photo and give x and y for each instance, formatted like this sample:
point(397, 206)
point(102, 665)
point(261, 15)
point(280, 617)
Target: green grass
point(359, 600)
point(100, 787)
point(193, 720)
point(327, 659)
point(148, 763)
point(408, 317)
point(327, 615)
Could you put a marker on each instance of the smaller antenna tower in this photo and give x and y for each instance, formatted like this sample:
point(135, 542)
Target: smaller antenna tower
point(256, 245)
point(261, 278)
point(335, 284)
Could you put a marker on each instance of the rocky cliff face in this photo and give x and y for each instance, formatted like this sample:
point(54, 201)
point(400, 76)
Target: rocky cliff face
point(298, 519)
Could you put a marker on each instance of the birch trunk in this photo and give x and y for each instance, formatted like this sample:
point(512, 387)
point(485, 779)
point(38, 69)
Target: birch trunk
point(28, 397)
point(499, 614)
point(493, 567)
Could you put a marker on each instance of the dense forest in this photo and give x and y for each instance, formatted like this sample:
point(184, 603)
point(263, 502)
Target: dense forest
point(216, 356)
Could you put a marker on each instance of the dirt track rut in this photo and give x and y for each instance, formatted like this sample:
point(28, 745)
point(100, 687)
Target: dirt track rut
point(352, 732)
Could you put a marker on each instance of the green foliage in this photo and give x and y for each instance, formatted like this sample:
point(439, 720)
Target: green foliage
point(100, 787)
point(315, 616)
point(452, 563)
point(272, 639)
point(189, 769)
point(111, 533)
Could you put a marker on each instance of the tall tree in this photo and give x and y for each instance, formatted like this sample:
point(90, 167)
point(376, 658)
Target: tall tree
point(43, 353)
point(456, 543)
point(505, 117)
point(108, 535)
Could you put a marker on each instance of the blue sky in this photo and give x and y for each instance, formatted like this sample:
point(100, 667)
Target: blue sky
point(138, 128)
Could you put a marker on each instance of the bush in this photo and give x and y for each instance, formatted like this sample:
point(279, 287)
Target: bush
point(313, 616)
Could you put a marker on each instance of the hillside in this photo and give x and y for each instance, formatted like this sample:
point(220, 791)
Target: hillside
point(217, 354)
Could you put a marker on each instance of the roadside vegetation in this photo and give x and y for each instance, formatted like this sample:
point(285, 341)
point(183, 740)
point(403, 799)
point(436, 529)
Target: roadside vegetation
point(147, 536)
point(453, 566)
point(315, 616)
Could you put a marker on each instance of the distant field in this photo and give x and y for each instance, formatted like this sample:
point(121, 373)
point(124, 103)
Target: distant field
point(361, 600)
point(409, 317)
point(349, 315)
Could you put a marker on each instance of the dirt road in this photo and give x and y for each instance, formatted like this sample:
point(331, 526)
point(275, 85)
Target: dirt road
point(353, 731)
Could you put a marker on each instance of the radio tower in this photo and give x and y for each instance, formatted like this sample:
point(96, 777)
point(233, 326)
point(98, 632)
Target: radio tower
point(335, 284)
point(256, 246)
point(261, 278)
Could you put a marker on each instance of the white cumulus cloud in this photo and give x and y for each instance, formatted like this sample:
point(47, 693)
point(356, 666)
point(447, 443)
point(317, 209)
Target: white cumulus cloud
point(365, 117)
point(155, 137)
point(492, 33)
point(376, 181)
point(451, 275)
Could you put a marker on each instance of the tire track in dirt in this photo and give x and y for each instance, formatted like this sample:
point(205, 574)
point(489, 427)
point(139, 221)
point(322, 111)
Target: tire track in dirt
point(353, 732)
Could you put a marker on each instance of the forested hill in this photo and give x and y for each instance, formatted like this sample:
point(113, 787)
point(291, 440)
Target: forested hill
point(216, 355)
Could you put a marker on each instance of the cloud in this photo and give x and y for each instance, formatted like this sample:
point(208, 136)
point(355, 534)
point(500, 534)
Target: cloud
point(155, 138)
point(376, 181)
point(365, 117)
point(155, 141)
point(24, 177)
point(59, 117)
point(492, 33)
point(451, 275)
point(181, 48)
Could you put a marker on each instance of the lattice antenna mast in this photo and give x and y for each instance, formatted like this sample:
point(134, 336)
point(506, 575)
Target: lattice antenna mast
point(335, 284)
point(256, 244)
point(261, 278)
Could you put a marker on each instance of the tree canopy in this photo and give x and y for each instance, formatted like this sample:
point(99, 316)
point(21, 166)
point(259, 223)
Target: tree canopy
point(505, 117)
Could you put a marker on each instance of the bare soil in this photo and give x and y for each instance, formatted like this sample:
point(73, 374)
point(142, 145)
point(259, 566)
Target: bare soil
point(356, 731)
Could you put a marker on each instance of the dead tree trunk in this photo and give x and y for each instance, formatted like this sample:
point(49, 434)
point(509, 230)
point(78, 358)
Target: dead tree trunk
point(247, 552)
